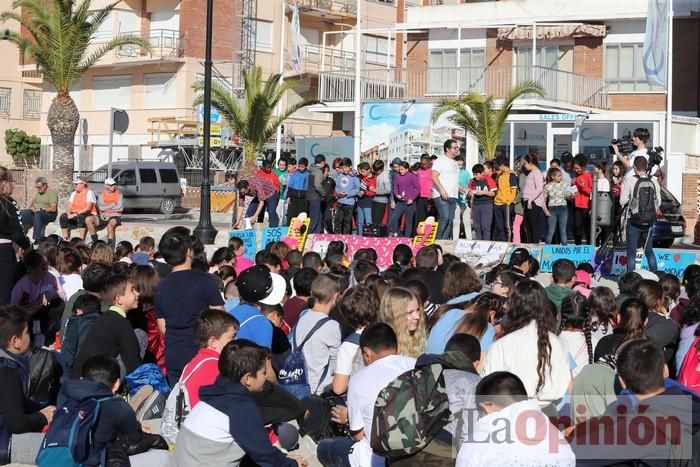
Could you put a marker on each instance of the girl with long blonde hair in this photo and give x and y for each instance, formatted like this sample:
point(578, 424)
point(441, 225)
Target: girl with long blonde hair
point(401, 310)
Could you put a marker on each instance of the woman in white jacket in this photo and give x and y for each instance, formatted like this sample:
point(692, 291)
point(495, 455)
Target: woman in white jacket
point(529, 347)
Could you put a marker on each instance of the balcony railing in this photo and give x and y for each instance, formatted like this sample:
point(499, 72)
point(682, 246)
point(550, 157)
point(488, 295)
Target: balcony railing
point(313, 57)
point(346, 7)
point(421, 83)
point(165, 43)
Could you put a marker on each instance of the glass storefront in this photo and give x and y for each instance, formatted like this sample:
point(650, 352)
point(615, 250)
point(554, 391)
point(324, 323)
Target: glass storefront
point(530, 138)
point(594, 141)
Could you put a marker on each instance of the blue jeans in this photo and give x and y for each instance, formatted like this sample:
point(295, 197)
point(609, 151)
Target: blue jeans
point(558, 215)
point(407, 211)
point(316, 216)
point(364, 216)
point(270, 206)
point(482, 216)
point(37, 220)
point(635, 233)
point(333, 452)
point(446, 215)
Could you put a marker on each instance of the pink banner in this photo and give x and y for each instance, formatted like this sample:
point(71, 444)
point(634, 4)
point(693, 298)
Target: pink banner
point(383, 246)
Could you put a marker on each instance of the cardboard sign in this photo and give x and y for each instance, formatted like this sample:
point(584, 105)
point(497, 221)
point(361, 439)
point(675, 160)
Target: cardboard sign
point(250, 241)
point(383, 246)
point(418, 240)
point(481, 254)
point(576, 253)
point(298, 230)
point(272, 234)
point(667, 261)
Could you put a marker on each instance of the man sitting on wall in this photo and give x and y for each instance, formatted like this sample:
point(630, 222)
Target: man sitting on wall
point(81, 205)
point(110, 206)
point(42, 210)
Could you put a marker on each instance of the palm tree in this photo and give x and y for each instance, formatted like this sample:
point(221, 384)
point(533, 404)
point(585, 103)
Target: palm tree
point(480, 117)
point(254, 120)
point(60, 40)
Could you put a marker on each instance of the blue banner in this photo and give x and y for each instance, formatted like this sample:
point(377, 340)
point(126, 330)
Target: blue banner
point(655, 52)
point(576, 253)
point(273, 234)
point(671, 262)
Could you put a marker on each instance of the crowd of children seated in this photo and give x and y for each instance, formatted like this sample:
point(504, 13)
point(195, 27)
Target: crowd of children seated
point(260, 354)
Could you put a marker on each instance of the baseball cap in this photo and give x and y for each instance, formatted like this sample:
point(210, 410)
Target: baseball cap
point(110, 181)
point(258, 284)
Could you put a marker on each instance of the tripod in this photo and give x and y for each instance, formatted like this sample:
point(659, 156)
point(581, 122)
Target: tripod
point(605, 254)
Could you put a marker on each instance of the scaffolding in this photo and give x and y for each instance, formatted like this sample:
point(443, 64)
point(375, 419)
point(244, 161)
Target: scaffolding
point(245, 59)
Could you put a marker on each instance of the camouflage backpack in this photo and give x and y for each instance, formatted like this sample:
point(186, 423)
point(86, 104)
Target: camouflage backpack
point(409, 412)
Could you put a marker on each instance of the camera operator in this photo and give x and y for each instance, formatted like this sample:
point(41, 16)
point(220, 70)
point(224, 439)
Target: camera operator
point(640, 137)
point(642, 195)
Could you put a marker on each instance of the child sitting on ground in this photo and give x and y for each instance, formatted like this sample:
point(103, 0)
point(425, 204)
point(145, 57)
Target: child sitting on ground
point(87, 310)
point(226, 424)
point(112, 334)
point(100, 379)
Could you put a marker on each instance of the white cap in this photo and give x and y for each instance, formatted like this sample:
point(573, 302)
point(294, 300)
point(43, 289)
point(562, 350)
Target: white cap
point(109, 181)
point(77, 180)
point(279, 288)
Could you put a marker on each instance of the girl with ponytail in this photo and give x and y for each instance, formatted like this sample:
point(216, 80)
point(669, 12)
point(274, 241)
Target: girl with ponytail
point(575, 330)
point(633, 318)
point(529, 348)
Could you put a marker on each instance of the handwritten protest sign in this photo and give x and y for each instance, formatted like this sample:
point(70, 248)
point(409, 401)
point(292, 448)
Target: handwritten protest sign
point(481, 254)
point(272, 234)
point(667, 261)
point(250, 241)
point(383, 246)
point(576, 253)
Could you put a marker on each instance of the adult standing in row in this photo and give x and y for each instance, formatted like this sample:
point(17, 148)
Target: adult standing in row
point(533, 197)
point(445, 173)
point(42, 210)
point(11, 230)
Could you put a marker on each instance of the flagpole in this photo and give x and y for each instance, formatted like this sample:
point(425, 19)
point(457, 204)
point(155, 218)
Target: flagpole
point(278, 143)
point(669, 79)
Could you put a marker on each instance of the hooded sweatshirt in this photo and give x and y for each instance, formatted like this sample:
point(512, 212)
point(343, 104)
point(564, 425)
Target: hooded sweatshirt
point(225, 426)
point(17, 414)
point(116, 416)
point(556, 294)
point(350, 185)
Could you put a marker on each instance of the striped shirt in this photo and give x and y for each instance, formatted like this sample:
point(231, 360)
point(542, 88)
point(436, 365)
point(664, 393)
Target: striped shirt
point(260, 188)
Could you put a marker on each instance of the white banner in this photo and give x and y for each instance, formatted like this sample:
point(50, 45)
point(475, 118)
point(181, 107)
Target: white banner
point(296, 41)
point(655, 53)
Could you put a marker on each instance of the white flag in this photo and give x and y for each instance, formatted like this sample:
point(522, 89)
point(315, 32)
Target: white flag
point(655, 53)
point(296, 41)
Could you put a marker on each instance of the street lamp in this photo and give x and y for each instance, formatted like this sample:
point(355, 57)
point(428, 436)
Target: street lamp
point(205, 231)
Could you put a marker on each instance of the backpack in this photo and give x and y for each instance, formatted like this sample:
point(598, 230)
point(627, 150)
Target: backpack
point(642, 205)
point(293, 374)
point(45, 372)
point(69, 440)
point(177, 407)
point(410, 411)
point(74, 333)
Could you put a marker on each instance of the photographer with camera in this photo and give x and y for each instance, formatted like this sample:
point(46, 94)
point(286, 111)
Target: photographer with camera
point(627, 149)
point(642, 196)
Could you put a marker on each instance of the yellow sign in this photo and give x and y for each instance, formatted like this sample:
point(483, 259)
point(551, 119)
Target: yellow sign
point(215, 130)
point(214, 141)
point(298, 230)
point(425, 234)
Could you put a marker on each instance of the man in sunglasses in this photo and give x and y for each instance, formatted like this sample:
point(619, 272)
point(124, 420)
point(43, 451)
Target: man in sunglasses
point(42, 210)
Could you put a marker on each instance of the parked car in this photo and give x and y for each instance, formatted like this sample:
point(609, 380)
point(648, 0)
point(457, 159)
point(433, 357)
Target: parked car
point(145, 184)
point(670, 223)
